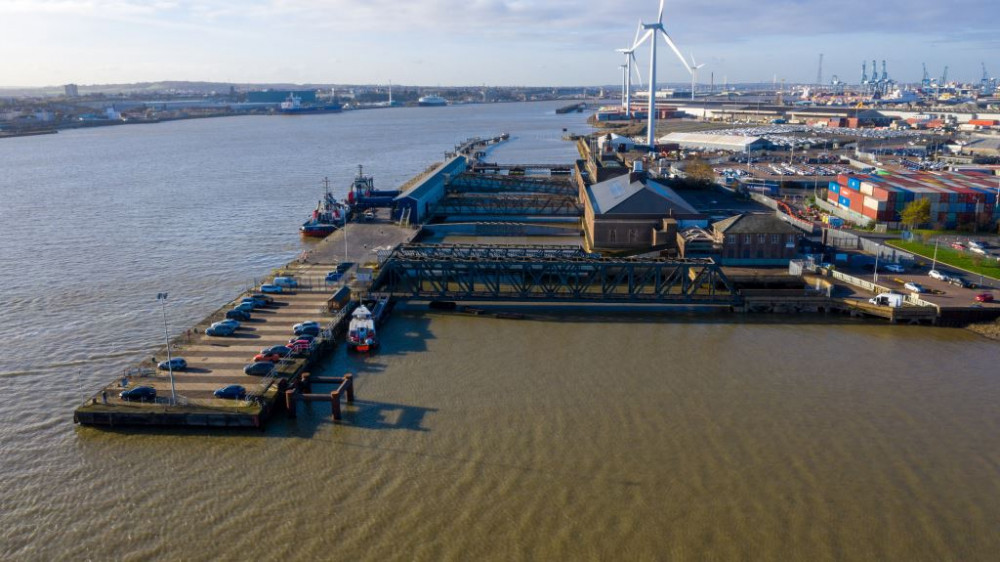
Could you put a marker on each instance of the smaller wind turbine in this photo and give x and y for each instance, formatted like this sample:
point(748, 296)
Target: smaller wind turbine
point(694, 74)
point(629, 59)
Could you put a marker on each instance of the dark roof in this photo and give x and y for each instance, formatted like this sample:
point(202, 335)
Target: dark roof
point(755, 223)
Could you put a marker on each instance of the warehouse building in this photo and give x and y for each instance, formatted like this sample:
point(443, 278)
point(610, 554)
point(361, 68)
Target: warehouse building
point(956, 198)
point(701, 141)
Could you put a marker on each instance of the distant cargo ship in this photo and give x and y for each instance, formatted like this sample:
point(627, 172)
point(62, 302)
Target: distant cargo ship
point(293, 106)
point(432, 101)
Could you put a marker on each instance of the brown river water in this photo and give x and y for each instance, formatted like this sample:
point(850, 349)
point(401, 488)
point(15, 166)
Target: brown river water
point(575, 437)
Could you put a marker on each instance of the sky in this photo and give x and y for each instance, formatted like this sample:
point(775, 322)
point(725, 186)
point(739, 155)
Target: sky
point(485, 42)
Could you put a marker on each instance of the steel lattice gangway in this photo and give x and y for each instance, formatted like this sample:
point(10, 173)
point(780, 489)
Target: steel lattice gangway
point(509, 205)
point(479, 183)
point(557, 274)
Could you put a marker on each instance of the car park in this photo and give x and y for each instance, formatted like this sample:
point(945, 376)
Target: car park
point(233, 391)
point(222, 330)
point(894, 268)
point(175, 364)
point(274, 289)
point(240, 315)
point(935, 274)
point(262, 368)
point(984, 297)
point(140, 393)
point(914, 287)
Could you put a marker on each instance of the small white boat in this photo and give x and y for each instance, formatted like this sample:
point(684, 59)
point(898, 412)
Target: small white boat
point(361, 334)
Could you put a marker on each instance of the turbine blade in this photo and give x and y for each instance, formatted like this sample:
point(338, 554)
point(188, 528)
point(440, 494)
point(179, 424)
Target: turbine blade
point(635, 67)
point(676, 51)
point(638, 30)
point(643, 40)
point(659, 18)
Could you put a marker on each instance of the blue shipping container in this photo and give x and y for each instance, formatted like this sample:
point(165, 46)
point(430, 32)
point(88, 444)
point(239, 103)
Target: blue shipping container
point(844, 201)
point(834, 187)
point(854, 183)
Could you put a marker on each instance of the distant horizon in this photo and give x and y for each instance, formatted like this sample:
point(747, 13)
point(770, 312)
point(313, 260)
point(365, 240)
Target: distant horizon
point(501, 43)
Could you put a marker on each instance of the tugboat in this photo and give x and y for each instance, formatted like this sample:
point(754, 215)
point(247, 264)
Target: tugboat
point(361, 336)
point(293, 106)
point(328, 216)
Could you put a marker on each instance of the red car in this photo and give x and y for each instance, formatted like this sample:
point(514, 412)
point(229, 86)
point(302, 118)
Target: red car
point(984, 297)
point(299, 346)
point(958, 245)
point(272, 357)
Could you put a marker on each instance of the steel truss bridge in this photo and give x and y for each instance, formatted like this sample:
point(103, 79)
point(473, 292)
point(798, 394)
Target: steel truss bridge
point(508, 205)
point(548, 274)
point(478, 183)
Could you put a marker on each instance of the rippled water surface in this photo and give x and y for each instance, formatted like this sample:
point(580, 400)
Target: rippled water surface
point(550, 438)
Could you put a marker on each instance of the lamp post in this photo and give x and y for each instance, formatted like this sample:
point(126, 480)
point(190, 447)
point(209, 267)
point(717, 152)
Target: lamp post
point(162, 297)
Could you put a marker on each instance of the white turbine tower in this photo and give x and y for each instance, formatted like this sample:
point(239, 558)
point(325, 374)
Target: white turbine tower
point(624, 83)
point(651, 31)
point(694, 74)
point(629, 59)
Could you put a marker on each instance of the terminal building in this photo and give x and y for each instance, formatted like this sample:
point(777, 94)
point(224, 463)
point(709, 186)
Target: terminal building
point(957, 198)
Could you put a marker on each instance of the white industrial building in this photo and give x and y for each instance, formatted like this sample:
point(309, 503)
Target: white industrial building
point(732, 143)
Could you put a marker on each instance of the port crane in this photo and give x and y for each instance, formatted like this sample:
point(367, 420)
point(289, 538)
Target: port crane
point(926, 81)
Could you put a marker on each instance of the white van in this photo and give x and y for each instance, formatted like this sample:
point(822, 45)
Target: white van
point(892, 300)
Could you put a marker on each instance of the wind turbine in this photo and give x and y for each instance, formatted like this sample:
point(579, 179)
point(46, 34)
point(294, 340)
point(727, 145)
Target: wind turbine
point(651, 32)
point(629, 59)
point(694, 74)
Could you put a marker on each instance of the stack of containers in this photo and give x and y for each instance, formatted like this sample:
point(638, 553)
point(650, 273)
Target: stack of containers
point(955, 197)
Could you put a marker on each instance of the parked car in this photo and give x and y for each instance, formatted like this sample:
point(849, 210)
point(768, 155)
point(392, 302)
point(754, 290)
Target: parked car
point(306, 329)
point(228, 322)
point(343, 266)
point(253, 302)
point(233, 391)
point(299, 346)
point(272, 357)
point(175, 364)
point(935, 274)
point(958, 281)
point(976, 244)
point(274, 289)
point(303, 337)
point(895, 268)
point(222, 330)
point(279, 349)
point(979, 251)
point(266, 299)
point(333, 276)
point(958, 245)
point(262, 368)
point(914, 287)
point(289, 282)
point(984, 297)
point(240, 315)
point(244, 306)
point(369, 215)
point(140, 393)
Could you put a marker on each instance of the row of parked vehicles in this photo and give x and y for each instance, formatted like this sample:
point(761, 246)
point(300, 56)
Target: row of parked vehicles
point(263, 363)
point(301, 342)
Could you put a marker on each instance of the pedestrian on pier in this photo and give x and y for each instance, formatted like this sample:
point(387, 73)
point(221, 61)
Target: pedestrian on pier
point(104, 397)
